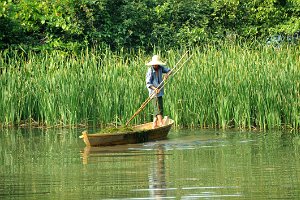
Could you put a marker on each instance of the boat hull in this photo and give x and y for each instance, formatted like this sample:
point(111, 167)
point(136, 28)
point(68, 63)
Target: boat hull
point(141, 133)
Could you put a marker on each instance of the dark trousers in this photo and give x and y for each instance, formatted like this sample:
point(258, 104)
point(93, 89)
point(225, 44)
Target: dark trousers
point(158, 106)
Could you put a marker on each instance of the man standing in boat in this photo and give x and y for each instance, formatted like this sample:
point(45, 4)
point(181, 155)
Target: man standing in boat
point(154, 79)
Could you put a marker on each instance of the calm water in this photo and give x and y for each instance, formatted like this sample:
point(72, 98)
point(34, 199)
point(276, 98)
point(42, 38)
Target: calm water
point(190, 164)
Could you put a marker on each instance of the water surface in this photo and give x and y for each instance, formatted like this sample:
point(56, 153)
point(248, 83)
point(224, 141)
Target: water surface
point(190, 164)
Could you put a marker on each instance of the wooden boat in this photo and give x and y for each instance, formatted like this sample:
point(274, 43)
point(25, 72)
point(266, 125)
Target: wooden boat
point(139, 134)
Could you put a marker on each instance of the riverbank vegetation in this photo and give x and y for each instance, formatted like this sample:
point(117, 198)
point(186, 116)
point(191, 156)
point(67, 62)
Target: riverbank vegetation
point(73, 25)
point(81, 63)
point(222, 86)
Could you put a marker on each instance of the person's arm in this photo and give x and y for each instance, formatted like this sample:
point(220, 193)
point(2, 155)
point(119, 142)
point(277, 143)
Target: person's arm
point(149, 80)
point(167, 71)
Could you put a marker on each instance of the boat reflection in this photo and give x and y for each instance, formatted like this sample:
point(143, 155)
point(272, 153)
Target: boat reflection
point(90, 152)
point(157, 185)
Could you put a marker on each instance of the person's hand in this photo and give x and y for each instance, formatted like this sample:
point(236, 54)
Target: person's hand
point(157, 90)
point(167, 76)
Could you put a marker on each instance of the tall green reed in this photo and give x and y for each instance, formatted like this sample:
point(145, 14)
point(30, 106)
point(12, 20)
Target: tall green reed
point(236, 86)
point(220, 87)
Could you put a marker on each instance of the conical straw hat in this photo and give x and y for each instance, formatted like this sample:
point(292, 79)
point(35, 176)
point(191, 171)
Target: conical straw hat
point(155, 61)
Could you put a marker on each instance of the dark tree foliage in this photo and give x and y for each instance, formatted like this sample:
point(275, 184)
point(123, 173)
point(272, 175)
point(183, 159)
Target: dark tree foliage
point(75, 24)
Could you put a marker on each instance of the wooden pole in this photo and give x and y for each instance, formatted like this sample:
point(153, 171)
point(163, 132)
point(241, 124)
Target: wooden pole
point(161, 85)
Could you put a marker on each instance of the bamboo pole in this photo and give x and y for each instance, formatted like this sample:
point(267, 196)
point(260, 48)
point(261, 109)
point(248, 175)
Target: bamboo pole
point(160, 86)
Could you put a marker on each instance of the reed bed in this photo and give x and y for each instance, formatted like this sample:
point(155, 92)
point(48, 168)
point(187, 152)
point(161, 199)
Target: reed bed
point(232, 86)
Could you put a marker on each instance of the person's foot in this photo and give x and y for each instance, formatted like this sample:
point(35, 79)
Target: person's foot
point(154, 125)
point(165, 120)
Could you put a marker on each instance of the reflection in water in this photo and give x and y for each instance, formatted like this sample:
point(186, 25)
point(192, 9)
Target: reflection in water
point(190, 165)
point(157, 171)
point(157, 175)
point(89, 153)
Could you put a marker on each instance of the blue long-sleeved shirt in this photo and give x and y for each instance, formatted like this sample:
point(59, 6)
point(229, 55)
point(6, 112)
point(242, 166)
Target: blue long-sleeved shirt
point(154, 80)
